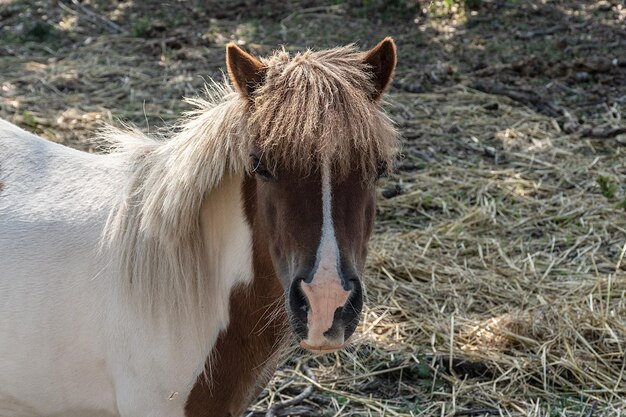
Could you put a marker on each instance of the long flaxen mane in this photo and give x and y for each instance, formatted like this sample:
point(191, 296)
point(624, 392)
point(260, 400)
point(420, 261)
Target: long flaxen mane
point(312, 106)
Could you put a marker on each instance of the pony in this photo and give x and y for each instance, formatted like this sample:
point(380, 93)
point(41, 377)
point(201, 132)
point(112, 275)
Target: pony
point(161, 279)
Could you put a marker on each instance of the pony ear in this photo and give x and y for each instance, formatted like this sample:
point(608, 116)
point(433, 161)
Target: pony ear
point(381, 60)
point(245, 71)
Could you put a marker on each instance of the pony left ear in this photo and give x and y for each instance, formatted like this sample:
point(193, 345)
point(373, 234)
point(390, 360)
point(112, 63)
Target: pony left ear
point(245, 71)
point(381, 60)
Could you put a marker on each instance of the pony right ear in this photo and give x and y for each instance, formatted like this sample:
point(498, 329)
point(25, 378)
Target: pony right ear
point(245, 71)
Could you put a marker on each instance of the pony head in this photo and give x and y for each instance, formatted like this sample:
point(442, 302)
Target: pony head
point(318, 142)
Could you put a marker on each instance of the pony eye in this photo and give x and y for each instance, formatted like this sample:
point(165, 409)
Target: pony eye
point(382, 169)
point(259, 168)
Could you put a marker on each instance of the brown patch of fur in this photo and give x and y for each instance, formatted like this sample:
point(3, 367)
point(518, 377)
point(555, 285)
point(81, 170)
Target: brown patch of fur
point(354, 210)
point(317, 106)
point(244, 360)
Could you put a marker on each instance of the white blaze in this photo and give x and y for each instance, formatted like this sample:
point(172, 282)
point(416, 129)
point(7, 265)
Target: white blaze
point(325, 293)
point(328, 251)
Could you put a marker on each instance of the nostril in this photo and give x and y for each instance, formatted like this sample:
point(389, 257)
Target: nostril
point(299, 307)
point(351, 312)
point(348, 284)
point(337, 329)
point(298, 301)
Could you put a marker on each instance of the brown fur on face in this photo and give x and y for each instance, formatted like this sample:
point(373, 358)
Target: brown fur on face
point(354, 209)
point(289, 217)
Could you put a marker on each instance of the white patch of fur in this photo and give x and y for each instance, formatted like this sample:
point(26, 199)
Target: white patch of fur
point(328, 251)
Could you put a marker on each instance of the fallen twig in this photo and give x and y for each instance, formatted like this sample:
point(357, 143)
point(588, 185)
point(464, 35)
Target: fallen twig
point(476, 412)
point(602, 133)
point(92, 16)
point(541, 32)
point(273, 410)
point(589, 412)
point(528, 97)
point(409, 87)
point(518, 94)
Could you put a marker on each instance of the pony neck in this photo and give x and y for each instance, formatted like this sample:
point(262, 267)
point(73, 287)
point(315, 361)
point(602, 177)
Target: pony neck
point(178, 235)
point(246, 354)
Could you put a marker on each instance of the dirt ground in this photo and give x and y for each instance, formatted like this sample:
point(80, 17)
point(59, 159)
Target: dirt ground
point(497, 278)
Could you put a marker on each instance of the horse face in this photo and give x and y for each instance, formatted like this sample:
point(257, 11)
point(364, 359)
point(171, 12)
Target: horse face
point(312, 219)
point(316, 227)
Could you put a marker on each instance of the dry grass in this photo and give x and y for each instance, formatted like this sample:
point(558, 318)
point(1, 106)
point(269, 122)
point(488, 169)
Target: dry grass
point(497, 278)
